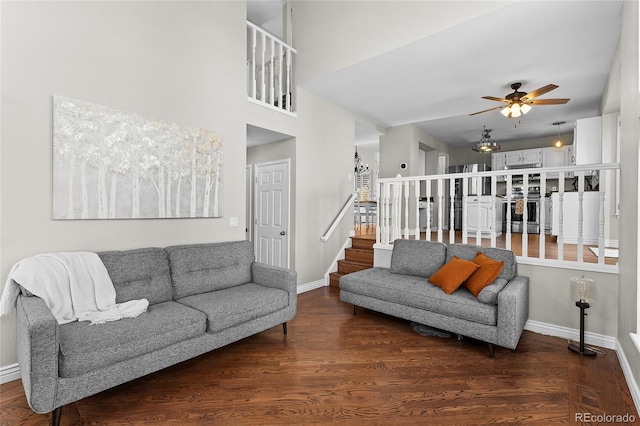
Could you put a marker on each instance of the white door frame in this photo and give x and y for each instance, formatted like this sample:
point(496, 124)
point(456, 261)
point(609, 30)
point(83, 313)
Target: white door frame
point(249, 201)
point(257, 166)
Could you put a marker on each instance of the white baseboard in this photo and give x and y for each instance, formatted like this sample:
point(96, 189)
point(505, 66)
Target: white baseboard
point(628, 375)
point(313, 285)
point(571, 333)
point(9, 373)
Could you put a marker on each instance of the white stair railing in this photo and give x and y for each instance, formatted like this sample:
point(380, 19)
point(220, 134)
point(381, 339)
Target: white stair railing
point(269, 70)
point(398, 212)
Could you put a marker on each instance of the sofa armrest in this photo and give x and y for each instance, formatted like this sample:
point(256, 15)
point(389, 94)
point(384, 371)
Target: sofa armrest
point(38, 344)
point(276, 277)
point(513, 311)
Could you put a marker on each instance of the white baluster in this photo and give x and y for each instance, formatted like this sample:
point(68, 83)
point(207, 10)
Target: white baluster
point(271, 75)
point(428, 231)
point(465, 206)
point(479, 212)
point(406, 209)
point(542, 214)
point(525, 215)
point(601, 241)
point(440, 208)
point(254, 82)
point(416, 195)
point(452, 195)
point(580, 216)
point(263, 86)
point(287, 94)
point(280, 61)
point(508, 218)
point(494, 207)
point(560, 239)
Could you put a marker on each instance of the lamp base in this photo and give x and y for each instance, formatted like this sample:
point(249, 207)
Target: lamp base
point(584, 351)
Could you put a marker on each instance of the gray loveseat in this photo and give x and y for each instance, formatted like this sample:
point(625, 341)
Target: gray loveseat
point(497, 316)
point(201, 297)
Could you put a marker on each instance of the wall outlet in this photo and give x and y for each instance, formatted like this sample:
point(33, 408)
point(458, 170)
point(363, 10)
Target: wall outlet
point(233, 221)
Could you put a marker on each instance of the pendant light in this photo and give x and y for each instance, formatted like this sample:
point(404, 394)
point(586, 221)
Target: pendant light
point(558, 143)
point(485, 145)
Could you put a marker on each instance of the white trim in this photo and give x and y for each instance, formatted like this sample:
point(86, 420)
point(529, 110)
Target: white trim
point(9, 373)
point(312, 286)
point(635, 338)
point(340, 256)
point(596, 339)
point(634, 389)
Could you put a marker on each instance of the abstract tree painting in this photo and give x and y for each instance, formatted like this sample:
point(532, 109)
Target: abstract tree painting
point(112, 164)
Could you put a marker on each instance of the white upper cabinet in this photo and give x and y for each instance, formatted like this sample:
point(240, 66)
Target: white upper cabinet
point(587, 141)
point(557, 157)
point(498, 163)
point(527, 156)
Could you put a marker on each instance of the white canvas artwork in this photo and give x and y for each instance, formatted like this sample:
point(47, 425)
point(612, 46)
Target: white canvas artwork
point(112, 164)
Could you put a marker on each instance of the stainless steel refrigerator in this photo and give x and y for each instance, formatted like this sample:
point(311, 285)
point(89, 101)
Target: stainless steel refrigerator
point(475, 187)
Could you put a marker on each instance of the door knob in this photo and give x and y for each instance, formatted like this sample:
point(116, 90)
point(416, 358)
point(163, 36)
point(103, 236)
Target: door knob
point(282, 233)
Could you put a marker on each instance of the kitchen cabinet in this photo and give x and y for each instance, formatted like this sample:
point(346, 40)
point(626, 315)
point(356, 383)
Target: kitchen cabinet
point(522, 157)
point(498, 163)
point(557, 157)
point(587, 141)
point(480, 215)
point(570, 206)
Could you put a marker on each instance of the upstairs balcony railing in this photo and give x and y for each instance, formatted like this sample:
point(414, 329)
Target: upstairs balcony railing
point(270, 63)
point(566, 216)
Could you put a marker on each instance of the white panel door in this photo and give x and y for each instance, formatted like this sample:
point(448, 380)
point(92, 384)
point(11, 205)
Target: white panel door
point(272, 213)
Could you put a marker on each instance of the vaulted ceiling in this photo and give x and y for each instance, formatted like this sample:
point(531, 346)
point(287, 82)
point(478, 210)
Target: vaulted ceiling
point(436, 82)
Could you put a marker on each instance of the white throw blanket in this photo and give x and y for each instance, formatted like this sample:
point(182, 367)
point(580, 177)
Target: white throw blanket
point(73, 285)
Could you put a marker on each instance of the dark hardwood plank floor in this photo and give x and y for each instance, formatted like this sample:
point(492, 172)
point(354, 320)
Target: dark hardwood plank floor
point(334, 368)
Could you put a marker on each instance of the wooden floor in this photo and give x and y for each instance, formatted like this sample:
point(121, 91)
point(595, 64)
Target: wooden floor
point(334, 368)
point(570, 251)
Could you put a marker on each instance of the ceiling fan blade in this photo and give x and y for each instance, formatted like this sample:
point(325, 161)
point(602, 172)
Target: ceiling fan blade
point(541, 91)
point(487, 110)
point(548, 101)
point(493, 98)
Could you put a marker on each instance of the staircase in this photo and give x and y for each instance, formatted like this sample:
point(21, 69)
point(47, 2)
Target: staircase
point(356, 258)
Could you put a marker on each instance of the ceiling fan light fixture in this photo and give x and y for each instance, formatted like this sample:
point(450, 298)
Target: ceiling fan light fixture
point(515, 110)
point(525, 108)
point(506, 111)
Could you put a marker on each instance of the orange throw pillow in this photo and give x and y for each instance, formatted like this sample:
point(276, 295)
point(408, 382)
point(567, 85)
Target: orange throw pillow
point(453, 274)
point(488, 271)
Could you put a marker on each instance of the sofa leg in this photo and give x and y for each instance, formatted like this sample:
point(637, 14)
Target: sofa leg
point(55, 416)
point(284, 328)
point(355, 310)
point(491, 355)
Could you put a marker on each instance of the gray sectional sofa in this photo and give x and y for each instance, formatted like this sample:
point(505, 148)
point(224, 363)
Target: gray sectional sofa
point(201, 297)
point(497, 316)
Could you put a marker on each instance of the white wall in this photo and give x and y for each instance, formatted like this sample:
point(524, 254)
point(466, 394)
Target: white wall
point(325, 143)
point(179, 61)
point(630, 160)
point(342, 33)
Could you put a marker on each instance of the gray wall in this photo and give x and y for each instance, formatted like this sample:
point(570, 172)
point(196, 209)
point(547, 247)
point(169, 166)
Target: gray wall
point(161, 59)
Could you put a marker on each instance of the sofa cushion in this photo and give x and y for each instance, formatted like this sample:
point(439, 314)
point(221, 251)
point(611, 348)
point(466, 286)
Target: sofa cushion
point(201, 268)
point(486, 273)
point(469, 251)
point(236, 305)
point(453, 274)
point(137, 274)
point(85, 347)
point(417, 257)
point(418, 293)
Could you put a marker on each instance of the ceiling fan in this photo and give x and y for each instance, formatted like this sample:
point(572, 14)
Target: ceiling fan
point(519, 103)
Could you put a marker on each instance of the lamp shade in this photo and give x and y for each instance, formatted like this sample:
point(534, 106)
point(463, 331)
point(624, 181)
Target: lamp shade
point(582, 289)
